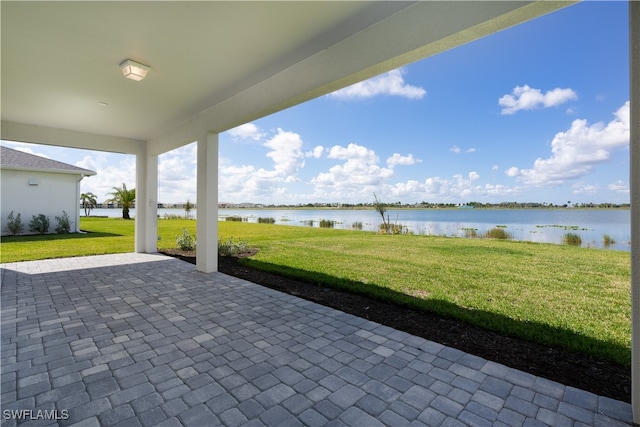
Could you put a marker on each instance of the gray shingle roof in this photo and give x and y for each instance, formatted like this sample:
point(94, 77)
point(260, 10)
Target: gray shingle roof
point(14, 159)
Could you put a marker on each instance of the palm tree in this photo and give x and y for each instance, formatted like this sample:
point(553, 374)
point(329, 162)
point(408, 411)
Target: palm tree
point(88, 202)
point(123, 197)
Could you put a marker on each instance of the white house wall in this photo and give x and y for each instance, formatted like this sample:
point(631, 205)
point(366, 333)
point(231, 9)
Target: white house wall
point(53, 194)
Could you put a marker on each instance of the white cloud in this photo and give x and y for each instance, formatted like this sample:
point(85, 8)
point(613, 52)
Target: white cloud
point(286, 153)
point(576, 151)
point(512, 171)
point(495, 168)
point(457, 150)
point(247, 131)
point(458, 187)
point(26, 148)
point(619, 187)
point(359, 172)
point(391, 83)
point(247, 183)
point(316, 153)
point(177, 180)
point(112, 170)
point(397, 159)
point(528, 98)
point(587, 189)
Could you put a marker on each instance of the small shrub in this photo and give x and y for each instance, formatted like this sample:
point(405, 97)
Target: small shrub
point(608, 240)
point(186, 242)
point(572, 239)
point(15, 225)
point(471, 233)
point(357, 225)
point(64, 224)
point(172, 216)
point(39, 224)
point(231, 247)
point(236, 218)
point(498, 233)
point(266, 220)
point(327, 223)
point(308, 223)
point(387, 228)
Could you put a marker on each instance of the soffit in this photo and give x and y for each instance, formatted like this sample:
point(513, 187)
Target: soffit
point(60, 59)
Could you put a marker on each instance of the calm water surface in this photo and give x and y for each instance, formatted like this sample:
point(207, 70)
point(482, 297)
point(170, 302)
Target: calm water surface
point(536, 225)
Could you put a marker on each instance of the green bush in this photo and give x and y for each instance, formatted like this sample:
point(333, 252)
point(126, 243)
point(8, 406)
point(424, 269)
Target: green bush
point(230, 247)
point(357, 225)
point(15, 225)
point(186, 242)
point(172, 216)
point(235, 218)
point(572, 239)
point(327, 223)
point(39, 224)
point(64, 224)
point(266, 220)
point(498, 233)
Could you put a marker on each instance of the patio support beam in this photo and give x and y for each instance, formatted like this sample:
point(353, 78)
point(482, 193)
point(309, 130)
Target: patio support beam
point(634, 182)
point(207, 204)
point(146, 233)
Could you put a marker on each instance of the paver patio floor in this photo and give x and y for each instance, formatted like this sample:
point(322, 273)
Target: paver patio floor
point(143, 339)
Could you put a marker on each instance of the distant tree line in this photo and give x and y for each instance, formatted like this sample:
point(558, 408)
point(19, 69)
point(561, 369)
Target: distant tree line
point(434, 205)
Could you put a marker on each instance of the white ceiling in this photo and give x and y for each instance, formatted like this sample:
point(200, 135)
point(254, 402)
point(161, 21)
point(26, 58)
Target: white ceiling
point(214, 65)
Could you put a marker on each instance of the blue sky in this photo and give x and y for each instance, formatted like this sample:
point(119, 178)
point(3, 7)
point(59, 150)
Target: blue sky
point(538, 112)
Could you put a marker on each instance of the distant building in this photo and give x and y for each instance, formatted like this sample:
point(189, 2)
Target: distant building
point(32, 185)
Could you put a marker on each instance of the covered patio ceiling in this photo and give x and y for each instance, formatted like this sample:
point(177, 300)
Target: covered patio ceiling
point(214, 65)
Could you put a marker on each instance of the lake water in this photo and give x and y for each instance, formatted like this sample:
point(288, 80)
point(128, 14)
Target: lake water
point(537, 225)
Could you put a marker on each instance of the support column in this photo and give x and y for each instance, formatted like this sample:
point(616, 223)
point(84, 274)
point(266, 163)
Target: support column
point(207, 204)
point(634, 182)
point(76, 219)
point(146, 239)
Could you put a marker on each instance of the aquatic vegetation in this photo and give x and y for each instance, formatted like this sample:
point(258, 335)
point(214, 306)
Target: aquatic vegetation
point(470, 232)
point(327, 223)
point(608, 241)
point(498, 233)
point(572, 239)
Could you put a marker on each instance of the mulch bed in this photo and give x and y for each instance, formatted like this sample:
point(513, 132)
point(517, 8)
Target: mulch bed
point(573, 369)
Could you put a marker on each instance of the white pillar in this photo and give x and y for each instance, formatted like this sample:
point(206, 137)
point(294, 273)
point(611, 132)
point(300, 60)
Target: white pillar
point(76, 219)
point(146, 203)
point(634, 182)
point(207, 204)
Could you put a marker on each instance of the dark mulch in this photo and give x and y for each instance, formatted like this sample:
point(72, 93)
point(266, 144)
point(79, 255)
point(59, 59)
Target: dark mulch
point(601, 377)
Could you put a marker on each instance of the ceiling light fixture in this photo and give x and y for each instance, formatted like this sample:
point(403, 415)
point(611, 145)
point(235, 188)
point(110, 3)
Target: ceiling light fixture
point(134, 70)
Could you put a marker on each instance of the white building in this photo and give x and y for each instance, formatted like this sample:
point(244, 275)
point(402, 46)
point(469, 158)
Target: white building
point(32, 185)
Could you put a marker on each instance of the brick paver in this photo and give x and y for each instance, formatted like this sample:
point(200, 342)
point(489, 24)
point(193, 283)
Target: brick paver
point(142, 339)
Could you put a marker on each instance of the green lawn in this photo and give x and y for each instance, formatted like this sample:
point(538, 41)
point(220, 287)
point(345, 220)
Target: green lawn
point(559, 295)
